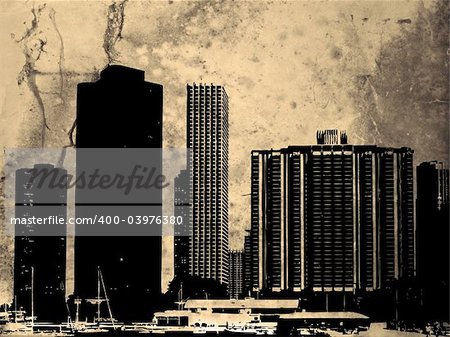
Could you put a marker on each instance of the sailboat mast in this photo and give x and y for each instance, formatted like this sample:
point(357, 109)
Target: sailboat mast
point(180, 297)
point(32, 297)
point(106, 298)
point(69, 317)
point(77, 314)
point(98, 294)
point(15, 308)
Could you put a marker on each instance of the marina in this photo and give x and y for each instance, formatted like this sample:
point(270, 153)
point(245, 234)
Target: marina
point(210, 317)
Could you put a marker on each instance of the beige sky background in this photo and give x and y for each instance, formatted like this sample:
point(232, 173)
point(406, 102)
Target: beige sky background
point(377, 69)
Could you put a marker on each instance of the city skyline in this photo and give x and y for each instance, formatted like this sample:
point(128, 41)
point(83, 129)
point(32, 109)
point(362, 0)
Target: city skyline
point(328, 142)
point(300, 66)
point(322, 181)
point(290, 68)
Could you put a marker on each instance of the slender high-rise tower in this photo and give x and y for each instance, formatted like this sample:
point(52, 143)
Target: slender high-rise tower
point(207, 139)
point(119, 127)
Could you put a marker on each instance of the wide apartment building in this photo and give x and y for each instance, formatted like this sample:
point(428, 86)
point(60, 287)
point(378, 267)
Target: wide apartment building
point(330, 216)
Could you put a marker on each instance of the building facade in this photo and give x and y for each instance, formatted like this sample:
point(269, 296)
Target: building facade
point(247, 283)
point(236, 274)
point(332, 216)
point(40, 250)
point(120, 114)
point(207, 139)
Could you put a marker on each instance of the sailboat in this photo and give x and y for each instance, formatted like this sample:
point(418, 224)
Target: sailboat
point(15, 321)
point(180, 303)
point(100, 324)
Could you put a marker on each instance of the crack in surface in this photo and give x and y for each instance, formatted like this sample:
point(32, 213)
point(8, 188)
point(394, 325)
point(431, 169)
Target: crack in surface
point(70, 133)
point(437, 101)
point(61, 60)
point(33, 47)
point(113, 32)
point(377, 107)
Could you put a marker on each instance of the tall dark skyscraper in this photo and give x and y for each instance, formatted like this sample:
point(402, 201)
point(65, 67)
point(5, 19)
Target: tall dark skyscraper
point(331, 217)
point(121, 110)
point(432, 210)
point(41, 247)
point(207, 138)
point(236, 274)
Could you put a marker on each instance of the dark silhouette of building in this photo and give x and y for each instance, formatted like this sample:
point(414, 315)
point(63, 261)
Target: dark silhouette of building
point(331, 217)
point(236, 274)
point(207, 139)
point(40, 248)
point(182, 230)
point(433, 238)
point(120, 110)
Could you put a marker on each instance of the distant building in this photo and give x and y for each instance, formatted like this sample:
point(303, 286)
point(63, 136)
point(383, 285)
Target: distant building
point(40, 250)
point(247, 284)
point(207, 139)
point(432, 210)
point(331, 217)
point(236, 274)
point(182, 230)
